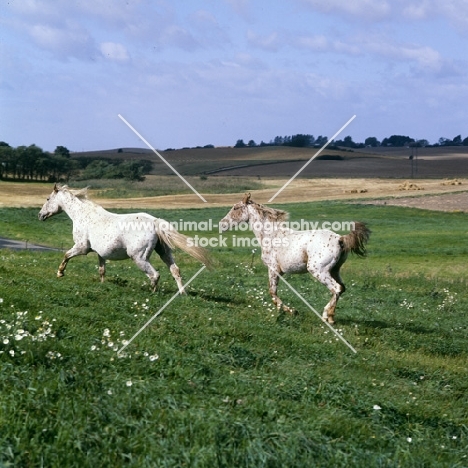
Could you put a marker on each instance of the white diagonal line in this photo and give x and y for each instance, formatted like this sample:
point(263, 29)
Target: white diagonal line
point(160, 310)
point(312, 158)
point(162, 159)
point(316, 313)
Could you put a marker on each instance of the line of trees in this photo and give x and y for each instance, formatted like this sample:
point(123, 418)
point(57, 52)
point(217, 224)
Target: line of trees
point(305, 140)
point(31, 163)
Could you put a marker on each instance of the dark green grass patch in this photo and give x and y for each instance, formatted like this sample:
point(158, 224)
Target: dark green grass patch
point(220, 378)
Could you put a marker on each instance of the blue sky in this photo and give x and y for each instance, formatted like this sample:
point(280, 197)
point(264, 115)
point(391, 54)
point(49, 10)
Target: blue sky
point(188, 73)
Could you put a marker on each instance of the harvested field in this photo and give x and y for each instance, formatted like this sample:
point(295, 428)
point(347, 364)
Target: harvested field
point(300, 190)
point(453, 202)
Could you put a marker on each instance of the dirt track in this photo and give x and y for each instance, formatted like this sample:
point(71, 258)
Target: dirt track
point(300, 190)
point(447, 202)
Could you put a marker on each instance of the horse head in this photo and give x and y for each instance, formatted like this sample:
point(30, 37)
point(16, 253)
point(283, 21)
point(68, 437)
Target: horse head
point(51, 206)
point(239, 213)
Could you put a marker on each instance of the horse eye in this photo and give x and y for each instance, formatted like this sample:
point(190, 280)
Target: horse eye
point(48, 199)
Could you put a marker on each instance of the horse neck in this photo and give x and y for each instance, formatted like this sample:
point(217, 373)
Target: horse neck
point(258, 225)
point(72, 205)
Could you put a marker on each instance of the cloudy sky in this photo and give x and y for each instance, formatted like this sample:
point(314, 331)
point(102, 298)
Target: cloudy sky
point(188, 73)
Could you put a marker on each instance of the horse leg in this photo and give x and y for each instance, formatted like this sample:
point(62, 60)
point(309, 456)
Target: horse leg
point(334, 287)
point(274, 279)
point(145, 266)
point(73, 252)
point(102, 268)
point(165, 253)
point(335, 272)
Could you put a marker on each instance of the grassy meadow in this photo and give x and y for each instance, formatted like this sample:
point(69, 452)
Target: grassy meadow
point(220, 379)
point(154, 186)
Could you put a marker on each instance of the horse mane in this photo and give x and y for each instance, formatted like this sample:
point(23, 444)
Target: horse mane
point(81, 194)
point(270, 214)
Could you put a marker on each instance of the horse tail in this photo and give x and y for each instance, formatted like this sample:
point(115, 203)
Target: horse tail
point(170, 236)
point(356, 240)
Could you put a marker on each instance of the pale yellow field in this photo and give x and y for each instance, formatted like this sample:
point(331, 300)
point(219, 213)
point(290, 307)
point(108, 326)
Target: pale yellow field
point(13, 194)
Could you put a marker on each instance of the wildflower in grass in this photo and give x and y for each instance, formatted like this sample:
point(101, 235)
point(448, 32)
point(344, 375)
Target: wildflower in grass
point(53, 355)
point(409, 439)
point(12, 352)
point(153, 357)
point(376, 407)
point(109, 392)
point(6, 340)
point(1, 300)
point(106, 332)
point(93, 348)
point(129, 383)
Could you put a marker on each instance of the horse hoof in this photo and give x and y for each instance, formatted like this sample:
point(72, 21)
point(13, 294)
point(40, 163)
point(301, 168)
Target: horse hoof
point(330, 320)
point(287, 309)
point(60, 274)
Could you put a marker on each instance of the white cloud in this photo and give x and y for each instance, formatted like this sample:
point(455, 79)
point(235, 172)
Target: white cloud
point(241, 7)
point(36, 8)
point(67, 41)
point(271, 42)
point(362, 9)
point(317, 43)
point(456, 11)
point(114, 51)
point(418, 10)
point(426, 58)
point(177, 36)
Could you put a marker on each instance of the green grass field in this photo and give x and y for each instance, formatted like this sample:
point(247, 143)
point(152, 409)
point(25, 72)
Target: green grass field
point(155, 186)
point(219, 379)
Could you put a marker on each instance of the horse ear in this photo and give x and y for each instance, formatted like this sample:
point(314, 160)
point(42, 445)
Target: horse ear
point(246, 198)
point(56, 189)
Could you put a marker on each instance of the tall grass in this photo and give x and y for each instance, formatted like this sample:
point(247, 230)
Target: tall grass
point(220, 379)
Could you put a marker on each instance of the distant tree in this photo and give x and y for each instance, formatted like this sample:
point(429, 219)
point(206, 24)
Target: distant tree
point(28, 157)
point(251, 144)
point(347, 142)
point(372, 141)
point(208, 146)
point(421, 143)
point(321, 140)
point(397, 140)
point(2, 143)
point(301, 141)
point(457, 141)
point(465, 142)
point(132, 170)
point(7, 160)
point(62, 168)
point(240, 144)
point(95, 170)
point(62, 151)
point(445, 141)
